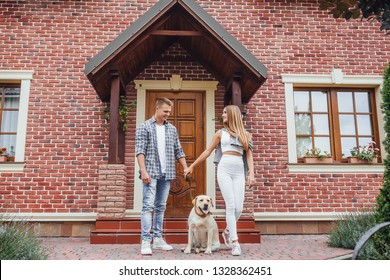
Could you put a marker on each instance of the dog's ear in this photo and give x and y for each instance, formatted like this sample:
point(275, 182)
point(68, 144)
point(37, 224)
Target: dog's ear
point(194, 201)
point(211, 201)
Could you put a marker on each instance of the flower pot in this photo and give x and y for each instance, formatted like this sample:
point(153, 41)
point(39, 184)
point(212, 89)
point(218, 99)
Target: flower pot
point(11, 158)
point(364, 161)
point(317, 160)
point(3, 158)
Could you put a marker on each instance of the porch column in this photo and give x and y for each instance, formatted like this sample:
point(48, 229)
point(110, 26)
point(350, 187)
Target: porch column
point(113, 131)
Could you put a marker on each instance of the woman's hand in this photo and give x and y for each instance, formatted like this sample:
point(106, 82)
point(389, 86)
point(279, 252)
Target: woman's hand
point(251, 180)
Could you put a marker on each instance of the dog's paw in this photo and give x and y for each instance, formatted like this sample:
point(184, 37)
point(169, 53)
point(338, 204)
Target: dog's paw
point(187, 250)
point(208, 252)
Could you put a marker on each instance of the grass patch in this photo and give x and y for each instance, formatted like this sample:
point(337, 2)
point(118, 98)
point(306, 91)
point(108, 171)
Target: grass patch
point(18, 241)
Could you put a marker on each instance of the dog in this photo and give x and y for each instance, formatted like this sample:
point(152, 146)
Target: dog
point(202, 227)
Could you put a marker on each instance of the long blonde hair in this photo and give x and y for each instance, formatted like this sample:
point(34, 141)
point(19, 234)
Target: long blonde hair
point(235, 125)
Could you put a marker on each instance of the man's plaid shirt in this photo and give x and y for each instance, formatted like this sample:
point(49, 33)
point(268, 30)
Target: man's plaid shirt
point(146, 143)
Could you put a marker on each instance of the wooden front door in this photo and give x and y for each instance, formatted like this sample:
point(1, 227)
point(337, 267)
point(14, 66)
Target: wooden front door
point(187, 116)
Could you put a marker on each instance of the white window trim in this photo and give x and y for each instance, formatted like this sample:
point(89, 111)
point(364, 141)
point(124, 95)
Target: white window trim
point(23, 77)
point(335, 79)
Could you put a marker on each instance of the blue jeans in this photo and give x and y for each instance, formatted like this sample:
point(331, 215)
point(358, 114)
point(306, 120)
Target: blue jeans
point(154, 199)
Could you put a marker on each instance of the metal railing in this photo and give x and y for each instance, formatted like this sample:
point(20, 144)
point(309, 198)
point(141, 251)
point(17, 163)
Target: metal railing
point(366, 237)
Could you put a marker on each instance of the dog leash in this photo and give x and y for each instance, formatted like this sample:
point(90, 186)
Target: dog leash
point(188, 179)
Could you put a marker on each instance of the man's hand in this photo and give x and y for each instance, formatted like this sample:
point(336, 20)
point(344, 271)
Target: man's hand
point(145, 177)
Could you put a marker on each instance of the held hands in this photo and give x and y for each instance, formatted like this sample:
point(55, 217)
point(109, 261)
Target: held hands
point(188, 171)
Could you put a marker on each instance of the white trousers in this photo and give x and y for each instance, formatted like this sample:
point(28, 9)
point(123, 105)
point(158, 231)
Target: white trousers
point(231, 181)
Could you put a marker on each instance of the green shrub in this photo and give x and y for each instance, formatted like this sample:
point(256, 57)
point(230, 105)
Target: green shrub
point(348, 230)
point(382, 239)
point(18, 242)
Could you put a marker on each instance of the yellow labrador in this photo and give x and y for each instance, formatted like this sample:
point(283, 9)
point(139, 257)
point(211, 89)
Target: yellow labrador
point(202, 227)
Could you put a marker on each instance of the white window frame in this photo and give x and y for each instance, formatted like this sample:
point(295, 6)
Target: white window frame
point(335, 79)
point(22, 77)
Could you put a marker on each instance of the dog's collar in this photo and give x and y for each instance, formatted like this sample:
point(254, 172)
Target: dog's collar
point(203, 214)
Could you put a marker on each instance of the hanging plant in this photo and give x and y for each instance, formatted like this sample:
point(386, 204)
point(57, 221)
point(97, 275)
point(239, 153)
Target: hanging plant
point(123, 111)
point(218, 119)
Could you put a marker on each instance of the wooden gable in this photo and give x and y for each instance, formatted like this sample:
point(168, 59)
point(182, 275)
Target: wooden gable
point(184, 22)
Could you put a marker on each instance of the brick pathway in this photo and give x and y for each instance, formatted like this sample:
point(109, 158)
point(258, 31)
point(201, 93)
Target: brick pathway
point(272, 247)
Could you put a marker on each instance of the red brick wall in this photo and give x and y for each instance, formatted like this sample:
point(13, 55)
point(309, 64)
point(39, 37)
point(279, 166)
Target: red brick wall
point(66, 138)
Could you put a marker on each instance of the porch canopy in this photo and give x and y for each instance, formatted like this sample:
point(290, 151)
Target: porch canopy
point(167, 22)
point(185, 22)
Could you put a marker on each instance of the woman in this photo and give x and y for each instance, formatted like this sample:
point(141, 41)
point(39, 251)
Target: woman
point(233, 140)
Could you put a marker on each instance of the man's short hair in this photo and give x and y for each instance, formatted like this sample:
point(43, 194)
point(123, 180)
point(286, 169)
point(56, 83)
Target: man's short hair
point(163, 100)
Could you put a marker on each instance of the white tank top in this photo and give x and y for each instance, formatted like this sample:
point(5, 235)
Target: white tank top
point(226, 145)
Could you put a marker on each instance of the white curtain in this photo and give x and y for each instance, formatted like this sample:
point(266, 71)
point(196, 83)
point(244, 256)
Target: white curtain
point(10, 119)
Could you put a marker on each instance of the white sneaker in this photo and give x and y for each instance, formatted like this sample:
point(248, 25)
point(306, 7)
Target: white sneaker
point(236, 250)
point(160, 244)
point(226, 238)
point(145, 248)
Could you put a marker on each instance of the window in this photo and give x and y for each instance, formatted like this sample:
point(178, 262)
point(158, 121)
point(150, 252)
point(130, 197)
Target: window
point(14, 100)
point(9, 111)
point(334, 120)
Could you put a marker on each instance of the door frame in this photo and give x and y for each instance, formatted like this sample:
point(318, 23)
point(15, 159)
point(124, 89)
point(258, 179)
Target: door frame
point(179, 202)
point(176, 83)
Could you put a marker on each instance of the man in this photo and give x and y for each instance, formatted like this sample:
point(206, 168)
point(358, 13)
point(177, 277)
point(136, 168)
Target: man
point(157, 147)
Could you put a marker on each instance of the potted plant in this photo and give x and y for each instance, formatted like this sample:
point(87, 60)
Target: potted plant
point(317, 156)
point(366, 154)
point(11, 155)
point(3, 155)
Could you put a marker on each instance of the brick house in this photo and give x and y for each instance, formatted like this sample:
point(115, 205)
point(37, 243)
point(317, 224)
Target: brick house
point(302, 78)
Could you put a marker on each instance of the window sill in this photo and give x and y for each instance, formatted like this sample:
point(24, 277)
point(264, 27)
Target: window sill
point(12, 167)
point(335, 168)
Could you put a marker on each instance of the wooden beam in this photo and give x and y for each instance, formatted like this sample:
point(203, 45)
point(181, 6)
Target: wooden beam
point(176, 33)
point(121, 146)
point(114, 105)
